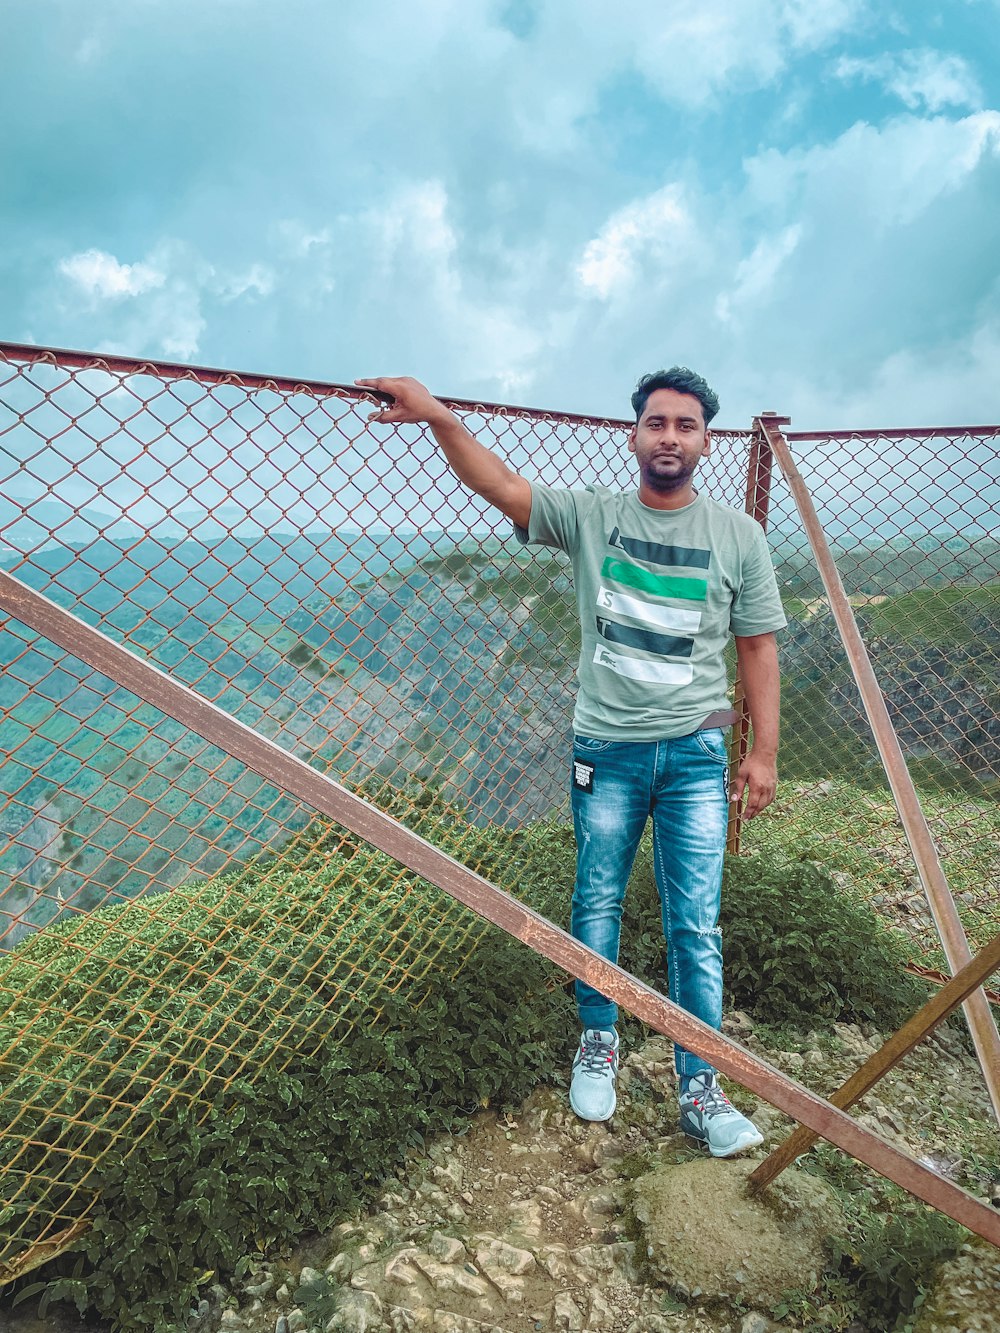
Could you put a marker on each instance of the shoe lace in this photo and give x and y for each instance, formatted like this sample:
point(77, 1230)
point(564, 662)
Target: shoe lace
point(596, 1055)
point(712, 1101)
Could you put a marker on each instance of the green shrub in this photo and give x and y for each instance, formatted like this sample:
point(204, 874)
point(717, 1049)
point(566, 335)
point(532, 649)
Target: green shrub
point(271, 1051)
point(893, 1244)
point(241, 1037)
point(798, 948)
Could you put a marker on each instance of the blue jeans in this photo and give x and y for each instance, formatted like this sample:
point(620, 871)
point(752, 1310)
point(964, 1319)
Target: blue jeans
point(682, 784)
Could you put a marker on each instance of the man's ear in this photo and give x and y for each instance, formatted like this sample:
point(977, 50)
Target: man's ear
point(631, 440)
point(707, 447)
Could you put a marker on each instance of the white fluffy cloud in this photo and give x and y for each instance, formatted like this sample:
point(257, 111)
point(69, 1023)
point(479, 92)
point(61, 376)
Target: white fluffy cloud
point(922, 79)
point(526, 198)
point(755, 275)
point(102, 277)
point(657, 231)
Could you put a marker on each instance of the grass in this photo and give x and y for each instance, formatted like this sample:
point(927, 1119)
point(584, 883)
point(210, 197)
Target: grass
point(856, 832)
point(942, 615)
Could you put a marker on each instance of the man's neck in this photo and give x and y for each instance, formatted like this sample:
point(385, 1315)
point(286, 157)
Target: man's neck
point(678, 499)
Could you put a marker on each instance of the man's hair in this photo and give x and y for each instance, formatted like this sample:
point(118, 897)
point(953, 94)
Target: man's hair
point(681, 379)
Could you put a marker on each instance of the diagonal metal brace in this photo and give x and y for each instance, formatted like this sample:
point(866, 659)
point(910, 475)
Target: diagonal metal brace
point(939, 897)
point(923, 1022)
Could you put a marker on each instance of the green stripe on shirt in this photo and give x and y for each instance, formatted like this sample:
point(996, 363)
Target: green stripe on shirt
point(660, 585)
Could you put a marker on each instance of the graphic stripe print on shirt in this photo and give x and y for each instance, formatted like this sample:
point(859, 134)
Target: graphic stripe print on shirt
point(660, 585)
point(655, 554)
point(630, 637)
point(640, 668)
point(658, 658)
point(673, 618)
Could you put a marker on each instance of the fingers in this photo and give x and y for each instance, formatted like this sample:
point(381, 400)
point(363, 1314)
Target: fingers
point(760, 791)
point(378, 388)
point(761, 796)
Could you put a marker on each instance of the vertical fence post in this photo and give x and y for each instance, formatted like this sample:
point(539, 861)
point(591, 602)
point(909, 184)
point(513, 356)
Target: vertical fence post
point(757, 504)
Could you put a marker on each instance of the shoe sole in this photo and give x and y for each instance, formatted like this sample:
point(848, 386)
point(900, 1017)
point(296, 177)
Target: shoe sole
point(741, 1145)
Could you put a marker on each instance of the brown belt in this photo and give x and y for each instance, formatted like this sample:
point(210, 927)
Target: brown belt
point(722, 717)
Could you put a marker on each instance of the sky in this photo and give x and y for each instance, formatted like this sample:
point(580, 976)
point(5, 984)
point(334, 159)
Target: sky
point(529, 203)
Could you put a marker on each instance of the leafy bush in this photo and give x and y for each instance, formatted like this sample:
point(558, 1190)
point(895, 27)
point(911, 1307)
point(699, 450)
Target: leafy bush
point(272, 1042)
point(237, 1062)
point(797, 947)
point(893, 1245)
point(800, 947)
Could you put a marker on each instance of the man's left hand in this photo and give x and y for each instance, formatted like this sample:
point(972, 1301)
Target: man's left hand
point(758, 778)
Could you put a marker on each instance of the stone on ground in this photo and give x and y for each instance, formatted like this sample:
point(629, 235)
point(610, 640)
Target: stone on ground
point(709, 1239)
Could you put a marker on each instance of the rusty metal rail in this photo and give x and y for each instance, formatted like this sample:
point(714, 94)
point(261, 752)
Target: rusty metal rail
point(328, 797)
point(928, 863)
point(889, 1054)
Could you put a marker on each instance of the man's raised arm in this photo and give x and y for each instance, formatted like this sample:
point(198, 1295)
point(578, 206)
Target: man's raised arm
point(472, 463)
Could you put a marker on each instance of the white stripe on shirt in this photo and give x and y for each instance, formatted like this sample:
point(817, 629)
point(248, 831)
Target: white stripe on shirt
point(638, 668)
point(666, 617)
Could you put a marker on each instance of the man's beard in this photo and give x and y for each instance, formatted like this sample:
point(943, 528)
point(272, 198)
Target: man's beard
point(664, 483)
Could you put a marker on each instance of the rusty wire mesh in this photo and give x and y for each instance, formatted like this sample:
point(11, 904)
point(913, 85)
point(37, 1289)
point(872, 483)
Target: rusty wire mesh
point(911, 517)
point(334, 587)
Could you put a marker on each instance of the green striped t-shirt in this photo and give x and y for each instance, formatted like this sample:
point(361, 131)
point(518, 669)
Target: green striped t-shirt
point(658, 593)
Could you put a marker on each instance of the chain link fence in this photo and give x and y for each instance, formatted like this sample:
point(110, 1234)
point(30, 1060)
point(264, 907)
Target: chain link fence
point(911, 517)
point(334, 587)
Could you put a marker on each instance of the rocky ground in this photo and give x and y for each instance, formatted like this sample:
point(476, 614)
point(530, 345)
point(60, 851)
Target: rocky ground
point(527, 1222)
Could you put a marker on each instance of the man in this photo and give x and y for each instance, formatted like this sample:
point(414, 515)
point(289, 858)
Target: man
point(662, 575)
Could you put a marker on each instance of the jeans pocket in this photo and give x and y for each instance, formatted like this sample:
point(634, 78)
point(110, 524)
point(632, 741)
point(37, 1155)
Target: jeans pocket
point(591, 744)
point(712, 743)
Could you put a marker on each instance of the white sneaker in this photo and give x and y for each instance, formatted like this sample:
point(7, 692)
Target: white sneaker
point(592, 1090)
point(709, 1116)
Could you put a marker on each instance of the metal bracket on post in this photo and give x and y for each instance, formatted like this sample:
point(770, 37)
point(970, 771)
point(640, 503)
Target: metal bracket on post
point(911, 815)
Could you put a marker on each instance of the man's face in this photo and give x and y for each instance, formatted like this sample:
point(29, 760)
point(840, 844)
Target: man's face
point(669, 440)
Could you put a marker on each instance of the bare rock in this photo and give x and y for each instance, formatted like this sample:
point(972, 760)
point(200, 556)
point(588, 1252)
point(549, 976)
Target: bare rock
point(755, 1249)
point(652, 1323)
point(449, 1277)
point(600, 1314)
point(556, 1261)
point(964, 1297)
point(400, 1270)
point(448, 1249)
point(566, 1313)
point(498, 1256)
point(358, 1312)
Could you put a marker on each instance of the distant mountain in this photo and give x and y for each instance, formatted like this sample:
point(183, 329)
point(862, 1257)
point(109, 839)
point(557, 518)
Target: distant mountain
point(455, 669)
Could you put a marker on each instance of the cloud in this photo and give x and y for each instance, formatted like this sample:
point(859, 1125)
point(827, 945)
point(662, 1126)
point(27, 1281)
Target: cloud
point(423, 295)
point(101, 276)
point(921, 79)
point(153, 305)
point(694, 54)
point(656, 230)
point(755, 275)
point(540, 205)
point(258, 279)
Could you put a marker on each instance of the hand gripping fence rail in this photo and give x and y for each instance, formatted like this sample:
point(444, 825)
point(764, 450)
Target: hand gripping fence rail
point(306, 583)
point(383, 832)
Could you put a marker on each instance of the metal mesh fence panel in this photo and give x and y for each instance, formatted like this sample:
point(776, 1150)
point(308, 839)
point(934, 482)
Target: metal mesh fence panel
point(911, 519)
point(333, 586)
